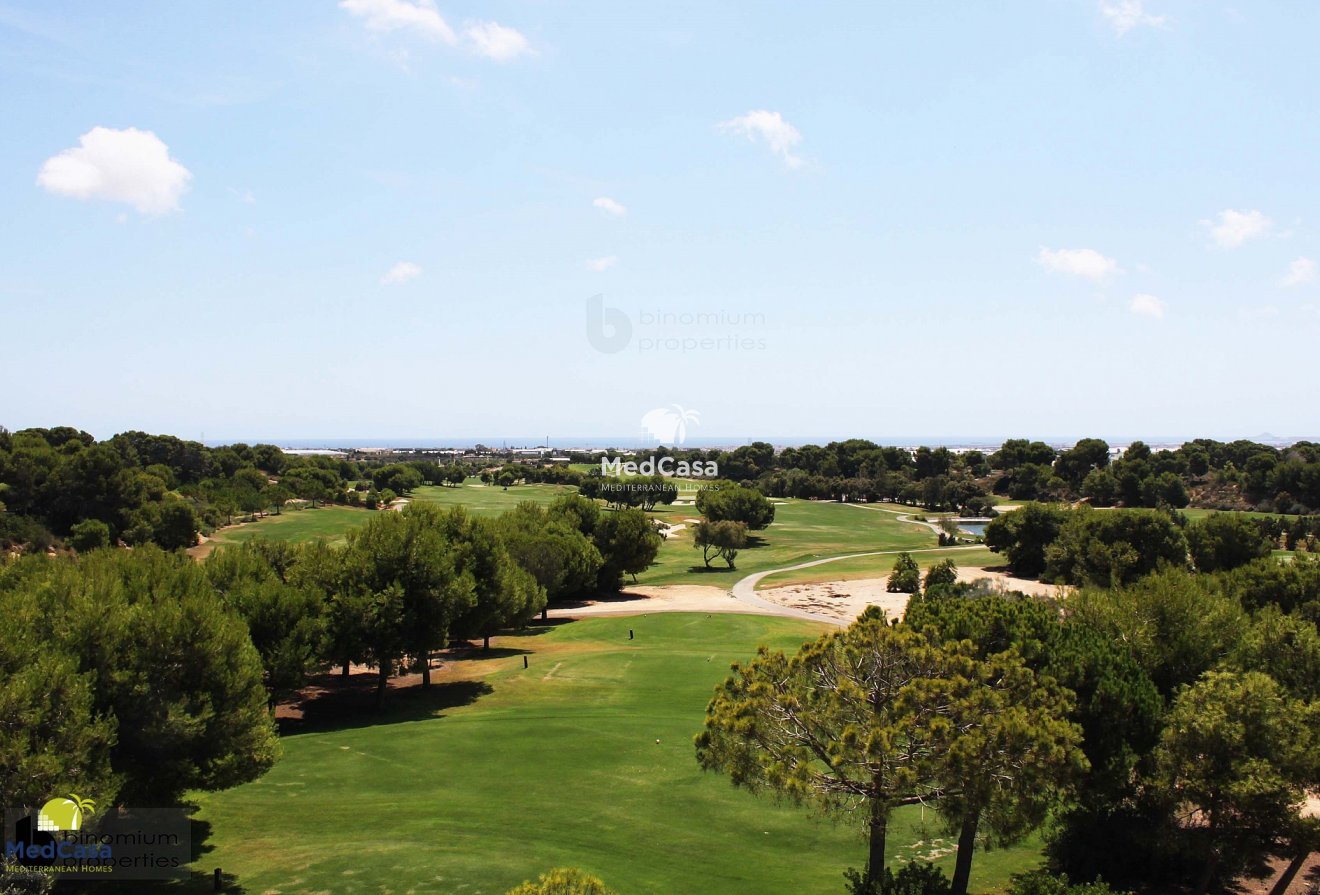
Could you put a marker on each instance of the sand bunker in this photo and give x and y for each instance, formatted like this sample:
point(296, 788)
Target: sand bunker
point(833, 601)
point(845, 600)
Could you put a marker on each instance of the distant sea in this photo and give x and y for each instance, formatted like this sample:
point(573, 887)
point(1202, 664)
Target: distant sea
point(643, 440)
point(569, 443)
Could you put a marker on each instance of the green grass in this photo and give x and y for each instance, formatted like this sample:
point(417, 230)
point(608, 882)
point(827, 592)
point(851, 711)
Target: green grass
point(331, 523)
point(488, 500)
point(879, 566)
point(803, 530)
point(1198, 513)
point(326, 522)
point(554, 765)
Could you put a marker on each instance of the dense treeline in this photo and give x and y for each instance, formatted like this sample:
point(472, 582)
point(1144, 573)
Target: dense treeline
point(62, 485)
point(1081, 545)
point(133, 679)
point(140, 674)
point(1164, 732)
point(1218, 475)
point(1206, 473)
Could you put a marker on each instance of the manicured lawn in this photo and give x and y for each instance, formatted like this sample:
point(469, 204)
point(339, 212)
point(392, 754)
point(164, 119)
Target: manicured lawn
point(1196, 513)
point(501, 773)
point(802, 530)
point(326, 522)
point(879, 566)
point(488, 500)
point(332, 522)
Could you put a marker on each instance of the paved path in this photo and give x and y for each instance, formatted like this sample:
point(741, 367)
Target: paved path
point(902, 517)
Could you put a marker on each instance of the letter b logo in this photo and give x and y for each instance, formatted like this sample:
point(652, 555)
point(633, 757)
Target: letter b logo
point(608, 329)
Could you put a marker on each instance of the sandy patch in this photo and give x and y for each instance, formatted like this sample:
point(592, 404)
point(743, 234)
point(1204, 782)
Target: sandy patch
point(841, 600)
point(658, 598)
point(845, 600)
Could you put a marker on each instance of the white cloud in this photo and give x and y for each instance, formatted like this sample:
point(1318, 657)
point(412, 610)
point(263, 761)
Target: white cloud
point(495, 41)
point(401, 273)
point(610, 207)
point(1236, 227)
point(419, 16)
point(245, 195)
point(1124, 15)
point(602, 264)
point(760, 125)
point(1147, 305)
point(1262, 312)
point(129, 165)
point(1079, 262)
point(1301, 272)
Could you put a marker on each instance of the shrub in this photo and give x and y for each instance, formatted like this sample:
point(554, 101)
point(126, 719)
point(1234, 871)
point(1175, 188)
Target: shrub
point(906, 577)
point(942, 574)
point(1041, 882)
point(563, 881)
point(912, 879)
point(89, 535)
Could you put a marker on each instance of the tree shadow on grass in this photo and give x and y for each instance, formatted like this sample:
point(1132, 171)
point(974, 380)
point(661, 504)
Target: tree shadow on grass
point(200, 878)
point(477, 653)
point(351, 704)
point(539, 626)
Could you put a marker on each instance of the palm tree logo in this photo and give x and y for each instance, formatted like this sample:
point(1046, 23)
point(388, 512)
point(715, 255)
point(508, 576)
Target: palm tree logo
point(66, 814)
point(668, 425)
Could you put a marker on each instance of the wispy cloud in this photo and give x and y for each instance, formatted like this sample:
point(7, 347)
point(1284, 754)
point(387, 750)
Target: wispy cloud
point(1233, 228)
point(1145, 305)
point(401, 273)
point(129, 166)
point(422, 18)
point(770, 128)
point(610, 206)
point(245, 195)
point(1124, 15)
point(1301, 272)
point(417, 16)
point(599, 265)
point(495, 41)
point(1086, 263)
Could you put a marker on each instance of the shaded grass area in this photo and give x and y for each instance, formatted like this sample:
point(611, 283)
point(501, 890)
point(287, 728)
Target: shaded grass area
point(803, 530)
point(879, 566)
point(331, 523)
point(1198, 513)
point(328, 523)
point(489, 783)
point(488, 500)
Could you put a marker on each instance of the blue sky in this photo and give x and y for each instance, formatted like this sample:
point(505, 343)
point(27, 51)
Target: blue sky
point(385, 218)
